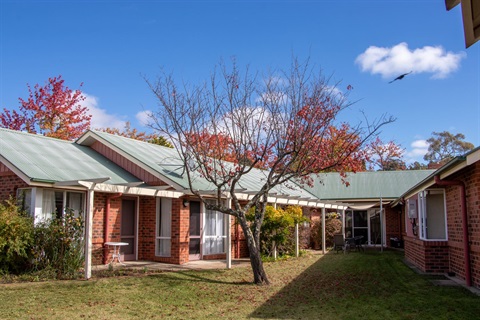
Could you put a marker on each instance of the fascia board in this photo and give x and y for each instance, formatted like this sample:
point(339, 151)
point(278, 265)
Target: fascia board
point(110, 188)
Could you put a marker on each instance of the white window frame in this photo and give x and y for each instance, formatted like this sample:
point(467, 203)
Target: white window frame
point(36, 202)
point(422, 207)
point(215, 236)
point(164, 208)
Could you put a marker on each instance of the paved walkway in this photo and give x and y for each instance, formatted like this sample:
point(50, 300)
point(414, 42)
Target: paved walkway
point(191, 265)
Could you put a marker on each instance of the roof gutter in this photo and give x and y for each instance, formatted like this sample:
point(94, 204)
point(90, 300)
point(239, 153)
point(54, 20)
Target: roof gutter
point(466, 246)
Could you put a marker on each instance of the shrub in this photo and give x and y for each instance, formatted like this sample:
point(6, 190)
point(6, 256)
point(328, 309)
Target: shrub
point(59, 245)
point(16, 238)
point(278, 229)
point(333, 225)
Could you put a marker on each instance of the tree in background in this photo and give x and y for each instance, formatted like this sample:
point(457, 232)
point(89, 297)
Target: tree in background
point(444, 146)
point(385, 156)
point(53, 110)
point(417, 166)
point(138, 135)
point(287, 121)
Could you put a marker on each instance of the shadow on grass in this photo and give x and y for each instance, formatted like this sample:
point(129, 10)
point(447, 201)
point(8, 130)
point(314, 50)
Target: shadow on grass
point(197, 276)
point(370, 285)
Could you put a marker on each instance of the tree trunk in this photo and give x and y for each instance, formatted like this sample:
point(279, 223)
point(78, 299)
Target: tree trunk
point(259, 275)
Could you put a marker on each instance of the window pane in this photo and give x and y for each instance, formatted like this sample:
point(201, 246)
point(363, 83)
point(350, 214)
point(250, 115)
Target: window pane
point(195, 218)
point(360, 219)
point(165, 221)
point(75, 203)
point(435, 222)
point(164, 247)
point(48, 204)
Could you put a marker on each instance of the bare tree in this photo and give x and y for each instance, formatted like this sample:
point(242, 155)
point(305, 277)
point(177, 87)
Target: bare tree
point(285, 122)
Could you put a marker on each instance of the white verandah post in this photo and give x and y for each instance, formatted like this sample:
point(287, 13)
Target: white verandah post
point(229, 236)
point(324, 249)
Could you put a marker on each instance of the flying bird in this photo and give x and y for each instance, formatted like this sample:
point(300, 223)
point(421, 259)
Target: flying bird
point(400, 77)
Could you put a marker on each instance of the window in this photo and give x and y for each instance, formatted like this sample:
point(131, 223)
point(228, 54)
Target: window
point(24, 200)
point(163, 241)
point(44, 204)
point(432, 215)
point(55, 202)
point(215, 232)
point(356, 224)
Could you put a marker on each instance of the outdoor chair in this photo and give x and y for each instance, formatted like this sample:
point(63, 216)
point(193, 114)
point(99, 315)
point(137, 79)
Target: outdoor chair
point(359, 243)
point(339, 242)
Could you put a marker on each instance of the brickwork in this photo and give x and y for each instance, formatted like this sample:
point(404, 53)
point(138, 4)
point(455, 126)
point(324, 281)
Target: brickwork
point(471, 177)
point(9, 183)
point(393, 223)
point(448, 255)
point(428, 256)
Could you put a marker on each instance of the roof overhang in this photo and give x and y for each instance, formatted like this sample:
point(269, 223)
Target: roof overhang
point(455, 165)
point(471, 18)
point(98, 185)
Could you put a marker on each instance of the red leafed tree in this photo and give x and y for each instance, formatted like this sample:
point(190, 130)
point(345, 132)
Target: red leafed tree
point(385, 156)
point(53, 110)
point(286, 122)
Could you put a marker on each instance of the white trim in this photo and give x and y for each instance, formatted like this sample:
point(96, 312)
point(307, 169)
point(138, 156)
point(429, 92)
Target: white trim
point(422, 215)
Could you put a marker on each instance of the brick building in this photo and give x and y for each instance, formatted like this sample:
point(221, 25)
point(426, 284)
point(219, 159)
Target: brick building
point(442, 220)
point(129, 191)
point(369, 197)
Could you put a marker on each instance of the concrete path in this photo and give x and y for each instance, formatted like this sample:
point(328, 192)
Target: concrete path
point(191, 265)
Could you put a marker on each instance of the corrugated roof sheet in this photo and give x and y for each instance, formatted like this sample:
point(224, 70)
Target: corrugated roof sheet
point(166, 162)
point(366, 185)
point(53, 160)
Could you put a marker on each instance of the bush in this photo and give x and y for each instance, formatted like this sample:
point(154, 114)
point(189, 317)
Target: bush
point(16, 238)
point(59, 245)
point(333, 225)
point(278, 229)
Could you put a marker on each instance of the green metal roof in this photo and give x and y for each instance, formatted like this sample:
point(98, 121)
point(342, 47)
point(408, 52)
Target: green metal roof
point(166, 162)
point(52, 160)
point(366, 185)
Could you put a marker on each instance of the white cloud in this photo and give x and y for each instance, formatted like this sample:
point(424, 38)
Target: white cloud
point(100, 117)
point(143, 117)
point(418, 148)
point(399, 59)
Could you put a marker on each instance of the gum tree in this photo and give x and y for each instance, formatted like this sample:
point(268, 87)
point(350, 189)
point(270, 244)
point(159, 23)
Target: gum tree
point(236, 122)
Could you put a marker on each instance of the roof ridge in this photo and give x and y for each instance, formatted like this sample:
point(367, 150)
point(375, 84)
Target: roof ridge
point(35, 135)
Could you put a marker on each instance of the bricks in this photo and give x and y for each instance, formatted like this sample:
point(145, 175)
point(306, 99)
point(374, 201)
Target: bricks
point(444, 256)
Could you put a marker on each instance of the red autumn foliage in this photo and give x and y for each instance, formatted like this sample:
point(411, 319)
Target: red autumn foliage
point(385, 156)
point(53, 110)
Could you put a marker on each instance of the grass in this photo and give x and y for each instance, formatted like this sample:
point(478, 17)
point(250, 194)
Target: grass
point(368, 285)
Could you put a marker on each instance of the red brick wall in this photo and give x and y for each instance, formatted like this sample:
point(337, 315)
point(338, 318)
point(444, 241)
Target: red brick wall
point(448, 255)
point(428, 256)
point(393, 223)
point(9, 183)
point(180, 231)
point(471, 177)
point(98, 232)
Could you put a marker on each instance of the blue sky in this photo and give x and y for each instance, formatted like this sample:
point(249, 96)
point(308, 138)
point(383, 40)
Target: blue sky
point(109, 45)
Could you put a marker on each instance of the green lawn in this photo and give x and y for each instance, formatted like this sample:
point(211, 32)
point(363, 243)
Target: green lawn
point(368, 285)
